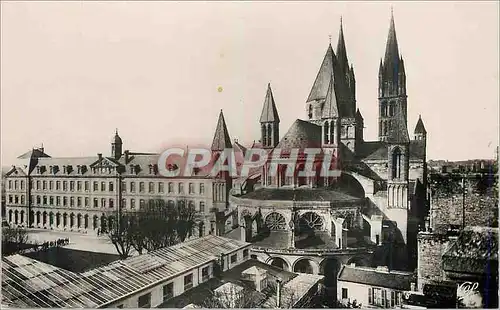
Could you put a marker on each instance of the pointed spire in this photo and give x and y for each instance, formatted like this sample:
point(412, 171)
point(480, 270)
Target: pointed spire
point(399, 130)
point(269, 111)
point(420, 128)
point(391, 48)
point(341, 50)
point(320, 86)
point(221, 137)
point(358, 114)
point(330, 109)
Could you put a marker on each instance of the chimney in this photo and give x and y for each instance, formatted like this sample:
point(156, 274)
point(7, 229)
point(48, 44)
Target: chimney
point(412, 286)
point(127, 154)
point(278, 294)
point(99, 155)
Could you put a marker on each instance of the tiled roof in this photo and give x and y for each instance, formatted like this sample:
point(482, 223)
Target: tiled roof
point(373, 150)
point(269, 111)
point(29, 283)
point(371, 276)
point(299, 194)
point(475, 251)
point(301, 135)
point(417, 149)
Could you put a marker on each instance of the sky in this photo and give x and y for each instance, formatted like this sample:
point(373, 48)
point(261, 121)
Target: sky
point(160, 72)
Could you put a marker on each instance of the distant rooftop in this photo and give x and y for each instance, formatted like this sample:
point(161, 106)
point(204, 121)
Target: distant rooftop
point(380, 277)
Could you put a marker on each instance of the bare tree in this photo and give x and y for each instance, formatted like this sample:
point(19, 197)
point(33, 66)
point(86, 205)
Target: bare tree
point(155, 225)
point(232, 297)
point(13, 239)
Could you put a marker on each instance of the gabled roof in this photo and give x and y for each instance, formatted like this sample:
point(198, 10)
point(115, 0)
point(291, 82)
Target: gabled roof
point(358, 115)
point(221, 137)
point(398, 132)
point(420, 128)
point(301, 135)
point(16, 171)
point(399, 280)
point(269, 111)
point(330, 107)
point(322, 82)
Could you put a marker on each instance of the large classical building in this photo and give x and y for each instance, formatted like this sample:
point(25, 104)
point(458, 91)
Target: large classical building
point(85, 194)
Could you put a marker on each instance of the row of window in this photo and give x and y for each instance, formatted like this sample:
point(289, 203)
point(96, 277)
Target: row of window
point(153, 187)
point(144, 301)
point(85, 201)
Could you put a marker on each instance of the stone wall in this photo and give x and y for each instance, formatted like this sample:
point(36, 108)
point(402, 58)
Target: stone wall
point(430, 248)
point(480, 210)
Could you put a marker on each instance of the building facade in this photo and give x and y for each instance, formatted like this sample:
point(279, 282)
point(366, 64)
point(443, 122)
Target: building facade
point(85, 194)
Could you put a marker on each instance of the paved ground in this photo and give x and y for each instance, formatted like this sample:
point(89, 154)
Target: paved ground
point(77, 241)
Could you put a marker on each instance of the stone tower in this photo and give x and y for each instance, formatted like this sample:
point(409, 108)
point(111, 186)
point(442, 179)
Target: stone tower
point(269, 122)
point(392, 85)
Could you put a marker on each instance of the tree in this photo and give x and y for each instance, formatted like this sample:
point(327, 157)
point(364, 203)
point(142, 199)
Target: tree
point(233, 296)
point(13, 239)
point(154, 226)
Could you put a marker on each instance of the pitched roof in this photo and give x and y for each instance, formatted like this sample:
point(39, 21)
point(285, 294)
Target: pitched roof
point(358, 115)
point(330, 107)
point(420, 128)
point(475, 251)
point(322, 82)
point(398, 132)
point(269, 111)
point(371, 276)
point(301, 135)
point(34, 153)
point(30, 283)
point(221, 137)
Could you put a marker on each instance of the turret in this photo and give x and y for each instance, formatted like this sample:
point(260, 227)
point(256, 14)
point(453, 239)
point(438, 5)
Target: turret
point(116, 146)
point(420, 132)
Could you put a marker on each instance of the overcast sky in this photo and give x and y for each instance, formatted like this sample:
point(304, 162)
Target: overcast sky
point(72, 72)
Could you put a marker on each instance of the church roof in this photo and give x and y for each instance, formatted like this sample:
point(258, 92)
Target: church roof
point(377, 150)
point(269, 111)
point(116, 139)
point(420, 128)
point(330, 108)
point(358, 115)
point(301, 135)
point(322, 82)
point(221, 138)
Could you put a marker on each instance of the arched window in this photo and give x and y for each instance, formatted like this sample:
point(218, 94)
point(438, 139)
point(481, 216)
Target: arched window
point(264, 135)
point(326, 129)
point(392, 107)
point(396, 163)
point(383, 108)
point(332, 131)
point(269, 135)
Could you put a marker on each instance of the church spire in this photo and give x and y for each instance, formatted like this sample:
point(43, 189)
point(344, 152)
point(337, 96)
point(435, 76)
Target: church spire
point(320, 86)
point(341, 50)
point(330, 109)
point(391, 48)
point(269, 111)
point(221, 137)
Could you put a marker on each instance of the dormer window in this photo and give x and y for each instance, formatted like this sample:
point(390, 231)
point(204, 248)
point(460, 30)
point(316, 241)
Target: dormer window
point(55, 169)
point(79, 169)
point(132, 169)
point(84, 169)
point(51, 169)
point(38, 170)
point(69, 169)
point(150, 169)
point(65, 169)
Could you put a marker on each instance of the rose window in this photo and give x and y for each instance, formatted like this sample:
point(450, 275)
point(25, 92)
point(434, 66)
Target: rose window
point(275, 221)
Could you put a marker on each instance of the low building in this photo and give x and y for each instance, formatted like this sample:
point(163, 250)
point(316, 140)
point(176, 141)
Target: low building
point(159, 278)
point(373, 287)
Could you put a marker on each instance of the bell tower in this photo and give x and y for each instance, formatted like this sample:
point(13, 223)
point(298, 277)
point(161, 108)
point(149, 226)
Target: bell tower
point(269, 122)
point(116, 146)
point(392, 85)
